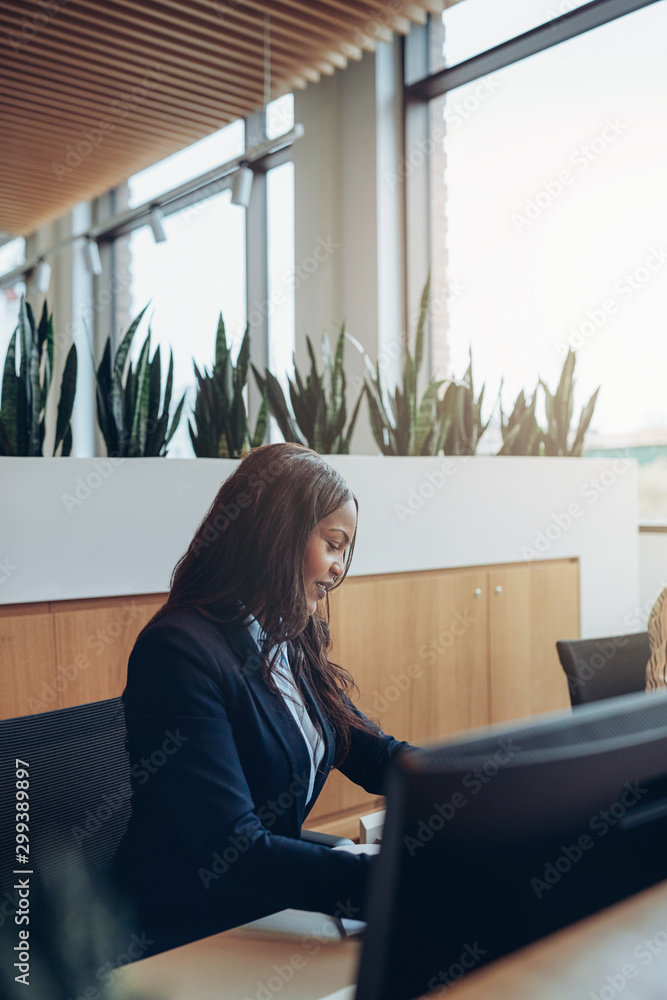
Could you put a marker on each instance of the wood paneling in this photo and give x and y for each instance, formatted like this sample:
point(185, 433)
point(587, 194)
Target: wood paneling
point(28, 657)
point(432, 653)
point(93, 94)
point(93, 646)
point(68, 652)
point(530, 608)
point(439, 652)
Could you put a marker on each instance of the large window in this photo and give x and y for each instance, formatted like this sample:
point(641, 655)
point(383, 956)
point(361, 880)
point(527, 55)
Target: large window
point(473, 26)
point(12, 255)
point(199, 271)
point(554, 230)
point(186, 281)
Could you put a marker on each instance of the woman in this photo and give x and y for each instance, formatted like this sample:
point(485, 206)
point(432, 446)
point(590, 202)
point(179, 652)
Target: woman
point(235, 715)
point(656, 668)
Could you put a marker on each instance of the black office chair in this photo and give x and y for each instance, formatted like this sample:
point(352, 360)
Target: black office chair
point(79, 776)
point(604, 668)
point(79, 784)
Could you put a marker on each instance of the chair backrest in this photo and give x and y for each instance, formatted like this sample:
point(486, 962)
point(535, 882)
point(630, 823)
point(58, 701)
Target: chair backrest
point(605, 668)
point(79, 790)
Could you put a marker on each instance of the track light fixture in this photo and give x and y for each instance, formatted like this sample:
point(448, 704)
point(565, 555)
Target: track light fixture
point(242, 186)
point(156, 222)
point(42, 276)
point(91, 254)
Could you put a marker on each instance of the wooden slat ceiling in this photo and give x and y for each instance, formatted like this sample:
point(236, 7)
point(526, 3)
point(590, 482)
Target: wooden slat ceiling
point(94, 91)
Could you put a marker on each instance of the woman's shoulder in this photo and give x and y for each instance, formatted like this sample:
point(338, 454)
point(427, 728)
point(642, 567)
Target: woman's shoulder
point(179, 619)
point(182, 639)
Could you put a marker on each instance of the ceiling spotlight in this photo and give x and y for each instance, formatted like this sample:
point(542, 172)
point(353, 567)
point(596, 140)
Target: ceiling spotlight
point(42, 277)
point(156, 222)
point(91, 254)
point(242, 186)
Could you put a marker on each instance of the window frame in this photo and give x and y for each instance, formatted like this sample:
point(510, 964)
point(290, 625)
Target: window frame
point(425, 87)
point(256, 234)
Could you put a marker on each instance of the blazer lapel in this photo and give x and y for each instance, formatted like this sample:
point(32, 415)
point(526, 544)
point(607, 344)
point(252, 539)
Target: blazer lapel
point(329, 736)
point(329, 744)
point(276, 713)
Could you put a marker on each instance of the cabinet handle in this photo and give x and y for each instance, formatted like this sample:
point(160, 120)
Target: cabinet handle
point(478, 592)
point(499, 590)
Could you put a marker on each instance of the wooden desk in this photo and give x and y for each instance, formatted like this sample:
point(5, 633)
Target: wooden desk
point(621, 951)
point(587, 957)
point(239, 965)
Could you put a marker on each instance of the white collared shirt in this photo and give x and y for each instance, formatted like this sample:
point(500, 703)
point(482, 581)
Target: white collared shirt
point(285, 682)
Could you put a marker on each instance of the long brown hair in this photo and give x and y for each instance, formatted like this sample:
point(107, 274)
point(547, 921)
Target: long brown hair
point(250, 548)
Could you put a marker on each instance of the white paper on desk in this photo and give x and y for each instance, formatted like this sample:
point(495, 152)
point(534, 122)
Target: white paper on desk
point(299, 924)
point(352, 927)
point(358, 848)
point(346, 993)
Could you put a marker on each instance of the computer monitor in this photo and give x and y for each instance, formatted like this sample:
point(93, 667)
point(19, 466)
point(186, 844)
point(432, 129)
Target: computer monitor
point(496, 839)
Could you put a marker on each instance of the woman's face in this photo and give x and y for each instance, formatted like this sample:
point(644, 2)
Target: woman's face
point(327, 545)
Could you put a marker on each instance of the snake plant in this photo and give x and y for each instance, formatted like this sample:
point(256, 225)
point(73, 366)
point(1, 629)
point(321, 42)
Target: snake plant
point(559, 410)
point(24, 394)
point(405, 426)
point(459, 417)
point(221, 428)
point(319, 411)
point(128, 403)
point(522, 435)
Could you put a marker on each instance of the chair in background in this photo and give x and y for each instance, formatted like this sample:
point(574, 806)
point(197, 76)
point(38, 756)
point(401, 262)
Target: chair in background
point(79, 776)
point(79, 794)
point(604, 668)
point(79, 805)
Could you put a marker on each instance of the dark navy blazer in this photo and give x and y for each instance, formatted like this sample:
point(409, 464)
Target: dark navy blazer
point(220, 772)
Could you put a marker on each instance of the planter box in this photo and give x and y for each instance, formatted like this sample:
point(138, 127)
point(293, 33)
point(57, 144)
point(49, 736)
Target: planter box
point(77, 528)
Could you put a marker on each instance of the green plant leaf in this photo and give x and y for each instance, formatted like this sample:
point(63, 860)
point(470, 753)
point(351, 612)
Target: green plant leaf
point(346, 438)
point(140, 410)
point(584, 422)
point(66, 401)
point(124, 419)
point(22, 417)
point(243, 359)
point(421, 326)
point(26, 327)
point(5, 446)
point(238, 424)
point(378, 424)
point(35, 408)
point(125, 345)
point(261, 424)
point(67, 441)
point(157, 443)
point(9, 400)
point(221, 349)
point(176, 420)
point(427, 417)
point(278, 408)
point(45, 338)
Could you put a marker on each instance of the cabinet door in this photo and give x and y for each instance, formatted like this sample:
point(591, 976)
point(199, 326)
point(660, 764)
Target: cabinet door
point(416, 646)
point(94, 640)
point(451, 625)
point(28, 656)
point(530, 608)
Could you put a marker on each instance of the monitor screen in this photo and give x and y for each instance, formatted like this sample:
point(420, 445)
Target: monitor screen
point(501, 837)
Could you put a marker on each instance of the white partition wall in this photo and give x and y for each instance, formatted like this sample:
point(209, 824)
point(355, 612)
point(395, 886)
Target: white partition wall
point(77, 528)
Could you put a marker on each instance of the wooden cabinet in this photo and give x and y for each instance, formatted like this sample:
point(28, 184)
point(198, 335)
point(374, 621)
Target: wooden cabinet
point(28, 657)
point(64, 653)
point(529, 608)
point(434, 653)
